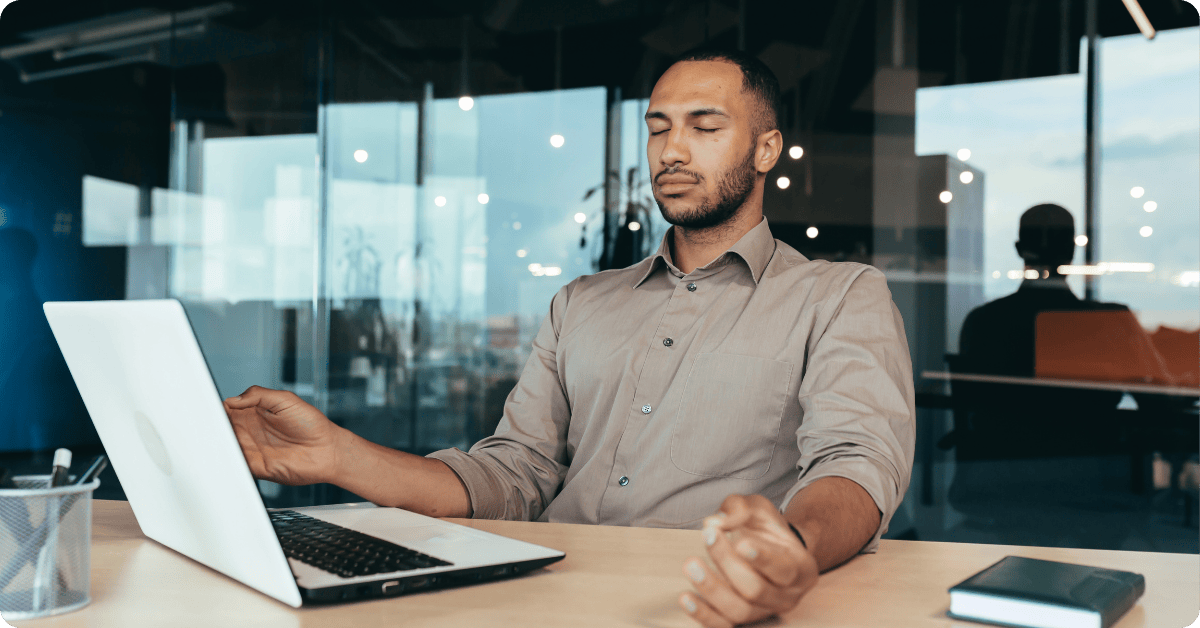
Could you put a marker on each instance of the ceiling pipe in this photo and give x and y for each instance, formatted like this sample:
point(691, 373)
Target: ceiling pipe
point(1139, 18)
point(113, 31)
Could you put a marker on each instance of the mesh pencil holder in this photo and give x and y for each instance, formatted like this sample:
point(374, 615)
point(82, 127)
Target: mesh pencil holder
point(45, 547)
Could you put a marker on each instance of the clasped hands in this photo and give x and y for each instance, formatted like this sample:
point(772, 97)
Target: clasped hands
point(762, 569)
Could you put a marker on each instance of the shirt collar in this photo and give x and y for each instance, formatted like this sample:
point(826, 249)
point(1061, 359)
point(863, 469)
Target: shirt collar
point(755, 250)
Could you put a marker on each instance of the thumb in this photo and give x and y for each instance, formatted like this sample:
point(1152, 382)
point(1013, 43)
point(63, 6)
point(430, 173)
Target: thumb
point(254, 396)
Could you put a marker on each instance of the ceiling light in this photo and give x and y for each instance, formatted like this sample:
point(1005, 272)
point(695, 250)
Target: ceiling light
point(964, 154)
point(557, 140)
point(811, 232)
point(1137, 192)
point(795, 152)
point(1150, 206)
point(483, 199)
point(945, 196)
point(1146, 231)
point(967, 176)
point(360, 155)
point(466, 103)
point(783, 182)
point(581, 218)
point(440, 201)
point(1081, 240)
point(522, 252)
point(635, 225)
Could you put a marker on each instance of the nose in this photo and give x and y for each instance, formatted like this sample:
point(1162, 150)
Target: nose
point(674, 151)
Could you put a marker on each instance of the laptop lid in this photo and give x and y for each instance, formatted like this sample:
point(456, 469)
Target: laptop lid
point(151, 396)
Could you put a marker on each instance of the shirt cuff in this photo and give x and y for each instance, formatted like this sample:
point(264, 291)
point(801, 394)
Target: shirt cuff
point(482, 488)
point(872, 476)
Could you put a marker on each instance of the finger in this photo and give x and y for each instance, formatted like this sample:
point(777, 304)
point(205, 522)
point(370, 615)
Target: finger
point(700, 611)
point(791, 565)
point(747, 580)
point(720, 596)
point(734, 511)
point(259, 396)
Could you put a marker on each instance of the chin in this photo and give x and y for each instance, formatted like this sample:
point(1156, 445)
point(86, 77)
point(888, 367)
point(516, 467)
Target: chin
point(674, 208)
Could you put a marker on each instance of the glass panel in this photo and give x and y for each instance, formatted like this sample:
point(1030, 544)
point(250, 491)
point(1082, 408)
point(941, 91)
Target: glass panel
point(1022, 141)
point(438, 289)
point(1149, 191)
point(635, 175)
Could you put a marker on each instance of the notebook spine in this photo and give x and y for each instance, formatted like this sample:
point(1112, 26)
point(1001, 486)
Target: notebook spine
point(1133, 590)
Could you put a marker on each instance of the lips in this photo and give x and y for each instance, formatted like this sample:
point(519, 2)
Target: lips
point(675, 179)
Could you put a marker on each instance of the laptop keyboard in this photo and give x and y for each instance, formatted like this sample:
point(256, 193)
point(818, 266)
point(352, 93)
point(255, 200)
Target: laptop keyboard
point(342, 551)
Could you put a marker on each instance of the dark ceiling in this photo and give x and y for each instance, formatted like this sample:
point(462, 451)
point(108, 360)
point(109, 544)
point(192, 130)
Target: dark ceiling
point(825, 53)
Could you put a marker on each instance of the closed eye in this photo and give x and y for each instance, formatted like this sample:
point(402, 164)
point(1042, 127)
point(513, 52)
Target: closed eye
point(704, 130)
point(658, 132)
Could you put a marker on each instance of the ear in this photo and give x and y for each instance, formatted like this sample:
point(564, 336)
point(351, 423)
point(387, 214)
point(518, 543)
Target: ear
point(769, 147)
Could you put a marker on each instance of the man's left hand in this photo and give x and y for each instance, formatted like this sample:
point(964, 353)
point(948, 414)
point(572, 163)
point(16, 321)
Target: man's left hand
point(762, 569)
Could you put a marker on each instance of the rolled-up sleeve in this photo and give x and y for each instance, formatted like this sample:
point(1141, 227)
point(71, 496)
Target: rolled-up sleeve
point(514, 473)
point(857, 399)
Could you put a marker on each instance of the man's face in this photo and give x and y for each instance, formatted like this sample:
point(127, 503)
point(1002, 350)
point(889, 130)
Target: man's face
point(702, 147)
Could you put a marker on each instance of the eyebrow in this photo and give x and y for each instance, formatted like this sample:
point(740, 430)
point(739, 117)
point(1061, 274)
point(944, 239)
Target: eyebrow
point(695, 113)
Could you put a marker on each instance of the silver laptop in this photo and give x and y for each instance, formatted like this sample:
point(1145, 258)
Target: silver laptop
point(149, 391)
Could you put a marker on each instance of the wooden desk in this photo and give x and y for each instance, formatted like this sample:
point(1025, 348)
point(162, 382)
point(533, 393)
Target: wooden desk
point(611, 577)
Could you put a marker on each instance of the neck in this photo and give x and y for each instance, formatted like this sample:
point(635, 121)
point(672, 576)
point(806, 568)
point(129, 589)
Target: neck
point(693, 248)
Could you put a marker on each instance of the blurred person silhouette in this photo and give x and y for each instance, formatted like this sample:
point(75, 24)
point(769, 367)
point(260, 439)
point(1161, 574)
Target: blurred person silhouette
point(42, 408)
point(998, 337)
point(1030, 456)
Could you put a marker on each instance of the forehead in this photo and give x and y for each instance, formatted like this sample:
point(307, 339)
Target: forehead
point(691, 85)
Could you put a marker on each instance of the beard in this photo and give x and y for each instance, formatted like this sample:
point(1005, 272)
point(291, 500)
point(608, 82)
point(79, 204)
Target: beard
point(733, 188)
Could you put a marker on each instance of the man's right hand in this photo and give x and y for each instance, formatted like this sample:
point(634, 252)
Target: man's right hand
point(284, 439)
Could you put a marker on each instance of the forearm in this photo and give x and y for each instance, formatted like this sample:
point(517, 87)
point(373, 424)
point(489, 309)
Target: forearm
point(836, 516)
point(395, 479)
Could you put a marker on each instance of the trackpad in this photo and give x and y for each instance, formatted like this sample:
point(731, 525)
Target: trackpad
point(445, 541)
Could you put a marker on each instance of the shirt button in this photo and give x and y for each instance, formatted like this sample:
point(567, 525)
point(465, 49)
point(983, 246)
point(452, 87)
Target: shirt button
point(646, 409)
point(668, 342)
point(692, 287)
point(623, 481)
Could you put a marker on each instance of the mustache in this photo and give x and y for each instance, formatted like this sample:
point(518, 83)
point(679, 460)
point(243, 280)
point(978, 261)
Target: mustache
point(679, 170)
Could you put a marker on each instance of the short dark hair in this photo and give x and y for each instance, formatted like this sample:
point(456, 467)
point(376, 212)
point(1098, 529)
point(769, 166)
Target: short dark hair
point(757, 79)
point(1047, 235)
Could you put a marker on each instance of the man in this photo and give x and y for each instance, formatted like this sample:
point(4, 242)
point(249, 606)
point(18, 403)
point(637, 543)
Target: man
point(998, 337)
point(725, 373)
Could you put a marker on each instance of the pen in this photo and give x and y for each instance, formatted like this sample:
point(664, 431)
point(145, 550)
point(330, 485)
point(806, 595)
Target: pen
point(94, 470)
point(44, 594)
point(62, 465)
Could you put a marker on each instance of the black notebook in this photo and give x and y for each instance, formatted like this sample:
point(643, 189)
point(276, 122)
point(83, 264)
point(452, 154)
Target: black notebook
point(1032, 593)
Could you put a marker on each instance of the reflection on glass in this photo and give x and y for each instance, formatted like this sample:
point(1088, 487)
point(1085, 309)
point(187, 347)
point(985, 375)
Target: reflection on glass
point(110, 212)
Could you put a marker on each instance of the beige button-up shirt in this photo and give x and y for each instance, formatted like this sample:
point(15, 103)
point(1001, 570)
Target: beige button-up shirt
point(652, 395)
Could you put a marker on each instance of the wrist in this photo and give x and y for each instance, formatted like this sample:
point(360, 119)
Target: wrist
point(338, 452)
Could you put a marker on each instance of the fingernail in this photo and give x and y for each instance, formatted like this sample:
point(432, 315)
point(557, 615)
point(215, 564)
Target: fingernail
point(747, 551)
point(695, 572)
point(237, 398)
point(710, 535)
point(689, 604)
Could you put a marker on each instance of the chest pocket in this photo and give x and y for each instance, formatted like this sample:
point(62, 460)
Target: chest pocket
point(729, 416)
